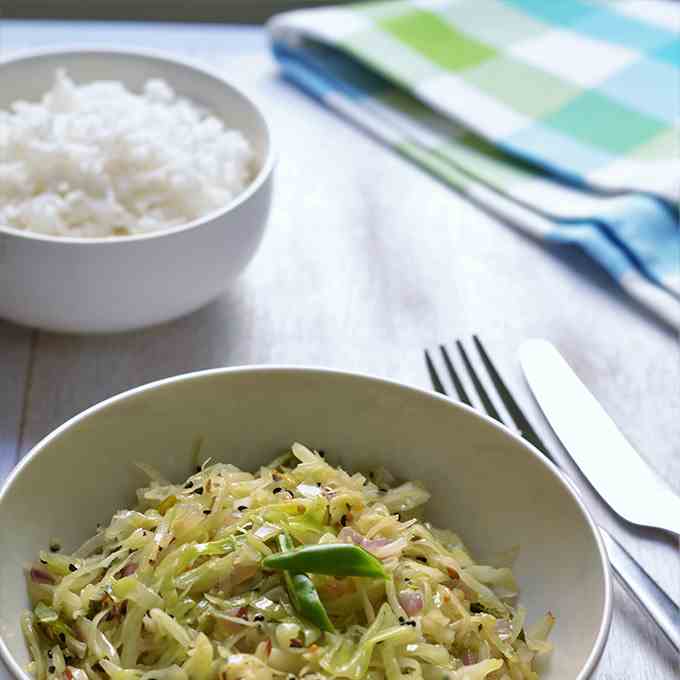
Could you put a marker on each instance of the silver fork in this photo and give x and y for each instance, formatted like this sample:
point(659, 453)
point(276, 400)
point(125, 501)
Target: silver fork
point(636, 581)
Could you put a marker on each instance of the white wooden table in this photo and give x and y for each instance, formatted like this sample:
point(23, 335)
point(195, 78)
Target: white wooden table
point(367, 261)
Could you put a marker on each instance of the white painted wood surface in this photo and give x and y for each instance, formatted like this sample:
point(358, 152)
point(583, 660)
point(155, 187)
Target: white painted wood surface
point(366, 262)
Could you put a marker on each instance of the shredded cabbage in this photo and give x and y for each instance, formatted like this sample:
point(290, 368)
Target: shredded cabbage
point(173, 589)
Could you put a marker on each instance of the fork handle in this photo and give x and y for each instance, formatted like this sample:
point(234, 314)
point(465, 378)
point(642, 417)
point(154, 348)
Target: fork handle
point(638, 583)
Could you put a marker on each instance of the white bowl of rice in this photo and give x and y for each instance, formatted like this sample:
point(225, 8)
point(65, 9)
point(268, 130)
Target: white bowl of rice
point(134, 188)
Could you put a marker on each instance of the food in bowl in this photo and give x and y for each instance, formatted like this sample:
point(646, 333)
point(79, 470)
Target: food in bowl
point(96, 160)
point(300, 569)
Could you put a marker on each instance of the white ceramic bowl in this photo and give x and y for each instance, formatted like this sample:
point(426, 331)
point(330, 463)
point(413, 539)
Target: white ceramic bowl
point(116, 284)
point(487, 484)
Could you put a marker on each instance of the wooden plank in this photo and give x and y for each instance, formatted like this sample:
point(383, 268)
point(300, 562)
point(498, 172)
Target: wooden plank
point(15, 357)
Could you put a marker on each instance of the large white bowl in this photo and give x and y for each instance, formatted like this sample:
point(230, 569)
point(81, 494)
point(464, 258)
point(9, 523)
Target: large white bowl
point(487, 483)
point(121, 283)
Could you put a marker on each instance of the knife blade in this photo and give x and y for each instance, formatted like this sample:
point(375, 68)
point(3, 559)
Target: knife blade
point(609, 462)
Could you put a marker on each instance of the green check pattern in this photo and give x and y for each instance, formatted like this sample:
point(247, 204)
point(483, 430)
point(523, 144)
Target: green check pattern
point(559, 117)
point(582, 89)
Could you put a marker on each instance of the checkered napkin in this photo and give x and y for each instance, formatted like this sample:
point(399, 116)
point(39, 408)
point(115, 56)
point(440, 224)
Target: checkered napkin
point(561, 117)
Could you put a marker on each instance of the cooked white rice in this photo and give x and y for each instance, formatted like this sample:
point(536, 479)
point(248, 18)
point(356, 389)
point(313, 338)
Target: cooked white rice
point(97, 160)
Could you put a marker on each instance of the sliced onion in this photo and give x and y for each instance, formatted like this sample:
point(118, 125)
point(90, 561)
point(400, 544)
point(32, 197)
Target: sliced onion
point(411, 601)
point(348, 535)
point(469, 658)
point(375, 544)
point(383, 548)
point(40, 576)
point(128, 569)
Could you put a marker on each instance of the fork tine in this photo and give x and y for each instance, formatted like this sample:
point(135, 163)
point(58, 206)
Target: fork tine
point(457, 383)
point(434, 376)
point(516, 413)
point(484, 397)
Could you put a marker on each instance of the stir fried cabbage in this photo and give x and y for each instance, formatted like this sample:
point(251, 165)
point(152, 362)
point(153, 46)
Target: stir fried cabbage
point(175, 589)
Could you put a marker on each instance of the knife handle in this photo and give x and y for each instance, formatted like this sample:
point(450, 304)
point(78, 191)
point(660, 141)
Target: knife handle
point(661, 609)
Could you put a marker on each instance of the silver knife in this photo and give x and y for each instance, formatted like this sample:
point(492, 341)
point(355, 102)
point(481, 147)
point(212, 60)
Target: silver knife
point(592, 439)
point(636, 581)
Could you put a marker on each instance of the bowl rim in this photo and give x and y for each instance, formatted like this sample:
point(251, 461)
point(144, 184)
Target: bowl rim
point(263, 174)
point(606, 613)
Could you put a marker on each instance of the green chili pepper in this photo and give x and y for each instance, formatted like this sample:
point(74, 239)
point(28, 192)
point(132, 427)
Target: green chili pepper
point(303, 594)
point(333, 559)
